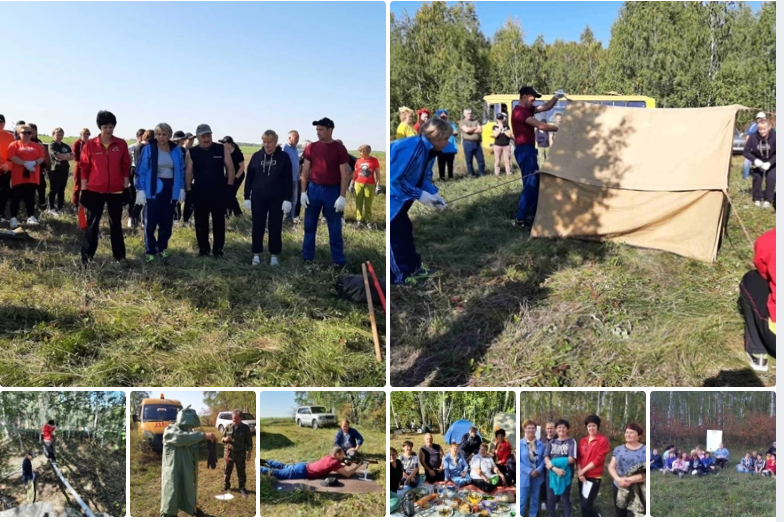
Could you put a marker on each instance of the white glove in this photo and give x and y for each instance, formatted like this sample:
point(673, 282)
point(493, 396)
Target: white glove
point(29, 165)
point(559, 94)
point(246, 204)
point(340, 204)
point(758, 163)
point(141, 198)
point(181, 199)
point(432, 200)
point(378, 189)
point(765, 166)
point(304, 200)
point(351, 187)
point(286, 207)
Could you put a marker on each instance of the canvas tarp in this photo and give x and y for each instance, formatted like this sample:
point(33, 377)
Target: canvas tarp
point(652, 178)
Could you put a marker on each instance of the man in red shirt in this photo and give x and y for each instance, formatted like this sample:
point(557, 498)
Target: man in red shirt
point(48, 434)
point(758, 302)
point(591, 454)
point(105, 167)
point(314, 470)
point(523, 124)
point(324, 181)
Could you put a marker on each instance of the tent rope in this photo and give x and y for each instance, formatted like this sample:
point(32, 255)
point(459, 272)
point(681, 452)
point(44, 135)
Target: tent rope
point(491, 188)
point(742, 225)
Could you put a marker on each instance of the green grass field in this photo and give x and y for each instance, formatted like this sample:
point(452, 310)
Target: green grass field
point(728, 494)
point(282, 440)
point(191, 322)
point(504, 310)
point(146, 482)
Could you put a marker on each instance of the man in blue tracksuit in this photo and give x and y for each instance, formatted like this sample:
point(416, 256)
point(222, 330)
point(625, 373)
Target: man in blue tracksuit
point(348, 438)
point(290, 148)
point(412, 172)
point(531, 469)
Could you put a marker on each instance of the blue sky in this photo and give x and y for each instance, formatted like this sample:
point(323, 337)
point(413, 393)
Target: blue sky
point(242, 67)
point(553, 20)
point(276, 404)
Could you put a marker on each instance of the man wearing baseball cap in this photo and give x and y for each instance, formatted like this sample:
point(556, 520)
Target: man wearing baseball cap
point(6, 139)
point(523, 124)
point(206, 182)
point(324, 183)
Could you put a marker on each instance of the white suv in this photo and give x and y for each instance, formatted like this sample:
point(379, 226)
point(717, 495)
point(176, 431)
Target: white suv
point(224, 419)
point(315, 417)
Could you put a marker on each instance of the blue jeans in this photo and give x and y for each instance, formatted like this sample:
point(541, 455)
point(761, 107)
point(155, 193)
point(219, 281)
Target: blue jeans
point(746, 168)
point(404, 259)
point(471, 149)
point(526, 157)
point(323, 197)
point(530, 495)
point(159, 214)
point(285, 471)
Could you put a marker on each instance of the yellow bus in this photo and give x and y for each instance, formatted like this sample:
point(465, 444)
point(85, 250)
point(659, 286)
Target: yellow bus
point(495, 103)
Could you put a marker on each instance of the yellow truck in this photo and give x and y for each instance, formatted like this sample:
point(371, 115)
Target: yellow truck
point(153, 417)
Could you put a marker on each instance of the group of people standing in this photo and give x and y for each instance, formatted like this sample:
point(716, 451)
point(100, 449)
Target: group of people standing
point(550, 465)
point(165, 177)
point(469, 462)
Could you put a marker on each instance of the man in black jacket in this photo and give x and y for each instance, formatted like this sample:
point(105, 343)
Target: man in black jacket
point(760, 149)
point(268, 195)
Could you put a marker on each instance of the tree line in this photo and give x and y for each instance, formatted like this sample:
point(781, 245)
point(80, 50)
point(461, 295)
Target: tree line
point(442, 408)
point(363, 408)
point(615, 409)
point(745, 418)
point(683, 54)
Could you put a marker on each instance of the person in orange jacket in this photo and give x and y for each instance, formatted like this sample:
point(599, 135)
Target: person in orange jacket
point(26, 158)
point(758, 303)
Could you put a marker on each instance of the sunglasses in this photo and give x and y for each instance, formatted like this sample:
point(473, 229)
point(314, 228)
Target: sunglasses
point(27, 133)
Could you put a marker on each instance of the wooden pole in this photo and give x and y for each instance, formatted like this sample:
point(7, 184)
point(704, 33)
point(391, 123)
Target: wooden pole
point(373, 326)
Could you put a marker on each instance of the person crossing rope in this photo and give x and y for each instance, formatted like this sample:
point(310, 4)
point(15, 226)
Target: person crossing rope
point(523, 124)
point(412, 172)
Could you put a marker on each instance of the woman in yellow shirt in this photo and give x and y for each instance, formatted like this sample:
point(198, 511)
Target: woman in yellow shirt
point(405, 129)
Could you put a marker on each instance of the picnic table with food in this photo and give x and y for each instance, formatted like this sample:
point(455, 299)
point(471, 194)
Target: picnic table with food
point(446, 500)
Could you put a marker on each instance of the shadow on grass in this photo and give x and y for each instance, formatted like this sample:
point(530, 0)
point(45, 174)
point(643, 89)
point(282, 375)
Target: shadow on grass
point(734, 379)
point(470, 237)
point(270, 441)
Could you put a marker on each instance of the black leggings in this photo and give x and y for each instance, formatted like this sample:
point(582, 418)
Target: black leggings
point(754, 293)
point(58, 179)
point(5, 192)
point(24, 193)
point(586, 504)
point(42, 188)
point(446, 160)
point(267, 213)
point(483, 485)
point(233, 206)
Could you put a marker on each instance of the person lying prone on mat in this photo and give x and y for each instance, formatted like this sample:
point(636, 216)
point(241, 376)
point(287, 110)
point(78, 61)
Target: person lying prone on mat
point(348, 438)
point(312, 470)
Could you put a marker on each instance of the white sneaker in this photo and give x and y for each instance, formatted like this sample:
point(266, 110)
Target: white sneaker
point(766, 205)
point(32, 221)
point(130, 223)
point(758, 362)
point(14, 223)
point(324, 220)
point(296, 221)
point(757, 203)
point(256, 261)
point(274, 261)
point(54, 213)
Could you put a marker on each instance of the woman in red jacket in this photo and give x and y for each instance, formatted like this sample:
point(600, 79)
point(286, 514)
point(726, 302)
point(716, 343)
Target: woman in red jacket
point(591, 454)
point(758, 303)
point(26, 158)
point(77, 153)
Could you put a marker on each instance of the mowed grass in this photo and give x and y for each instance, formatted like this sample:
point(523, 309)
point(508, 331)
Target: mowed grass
point(506, 310)
point(282, 440)
point(728, 494)
point(192, 322)
point(146, 482)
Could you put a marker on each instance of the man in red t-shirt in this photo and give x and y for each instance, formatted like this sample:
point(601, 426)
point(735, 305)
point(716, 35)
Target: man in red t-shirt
point(105, 167)
point(324, 181)
point(523, 124)
point(314, 470)
point(758, 302)
point(591, 454)
point(48, 434)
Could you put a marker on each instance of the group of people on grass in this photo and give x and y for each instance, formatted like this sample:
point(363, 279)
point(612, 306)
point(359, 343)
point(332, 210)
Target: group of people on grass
point(348, 442)
point(468, 462)
point(164, 177)
point(549, 467)
point(699, 462)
